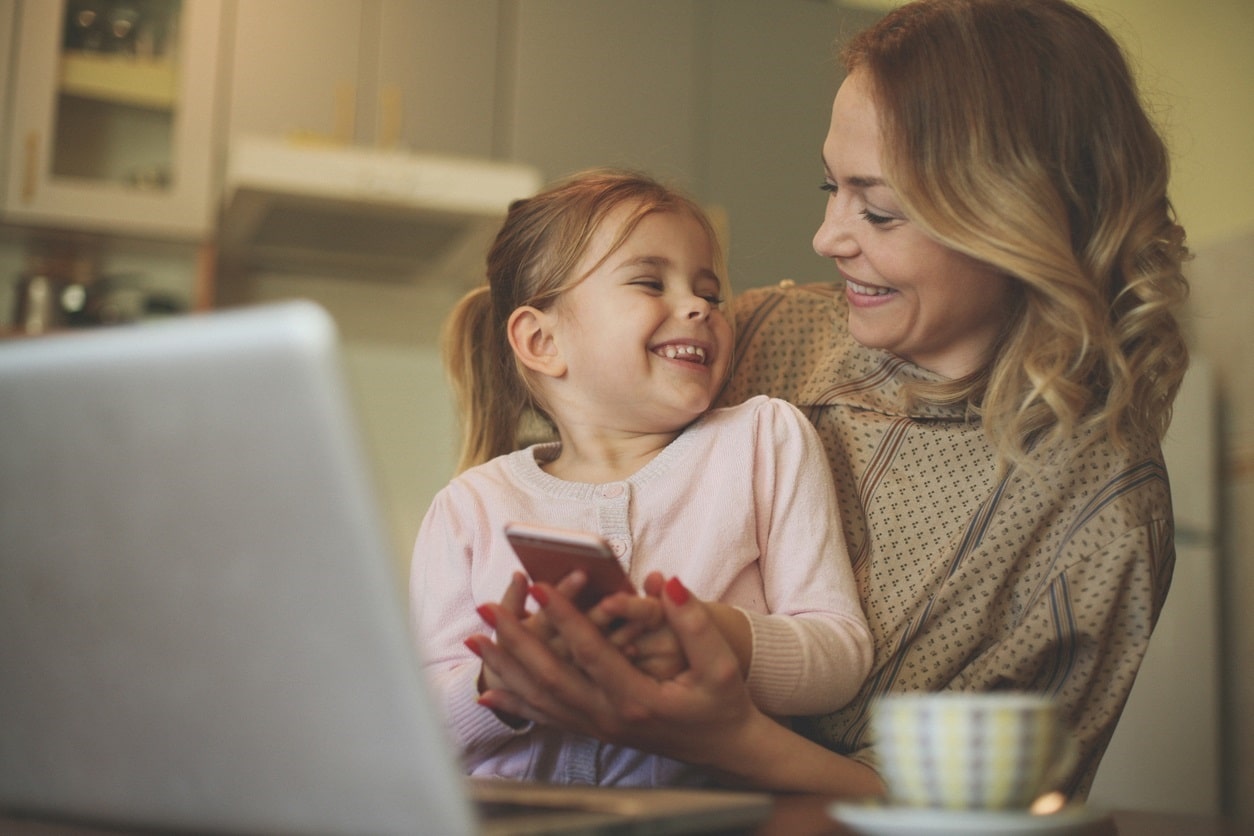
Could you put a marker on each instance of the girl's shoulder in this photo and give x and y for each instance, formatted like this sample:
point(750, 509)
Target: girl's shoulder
point(760, 415)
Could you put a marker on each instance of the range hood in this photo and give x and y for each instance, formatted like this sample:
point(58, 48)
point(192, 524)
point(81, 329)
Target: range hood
point(334, 210)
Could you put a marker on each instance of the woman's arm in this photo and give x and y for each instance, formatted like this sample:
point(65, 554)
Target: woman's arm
point(703, 716)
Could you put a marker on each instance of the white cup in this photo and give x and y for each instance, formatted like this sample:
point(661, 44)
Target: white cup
point(992, 751)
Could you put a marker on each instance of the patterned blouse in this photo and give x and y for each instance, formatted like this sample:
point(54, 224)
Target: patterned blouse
point(970, 582)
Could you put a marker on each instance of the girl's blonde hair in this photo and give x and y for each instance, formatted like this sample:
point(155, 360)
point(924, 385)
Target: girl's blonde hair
point(532, 262)
point(1014, 133)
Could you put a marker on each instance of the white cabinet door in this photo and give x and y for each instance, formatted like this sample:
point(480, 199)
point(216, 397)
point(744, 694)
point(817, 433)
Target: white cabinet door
point(114, 137)
point(414, 74)
point(294, 68)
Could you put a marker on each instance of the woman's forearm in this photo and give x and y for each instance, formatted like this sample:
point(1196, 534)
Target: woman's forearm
point(766, 755)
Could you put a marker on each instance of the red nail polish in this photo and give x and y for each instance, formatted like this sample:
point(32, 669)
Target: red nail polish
point(542, 597)
point(487, 614)
point(676, 592)
point(472, 644)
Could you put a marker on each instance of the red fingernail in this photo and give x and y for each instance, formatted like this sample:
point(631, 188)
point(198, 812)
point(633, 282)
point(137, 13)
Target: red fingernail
point(487, 614)
point(542, 597)
point(472, 644)
point(676, 592)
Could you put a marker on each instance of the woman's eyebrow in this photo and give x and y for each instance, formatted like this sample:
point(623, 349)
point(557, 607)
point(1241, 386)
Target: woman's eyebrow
point(856, 181)
point(866, 182)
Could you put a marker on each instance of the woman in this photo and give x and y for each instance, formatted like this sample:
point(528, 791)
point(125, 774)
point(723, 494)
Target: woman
point(991, 385)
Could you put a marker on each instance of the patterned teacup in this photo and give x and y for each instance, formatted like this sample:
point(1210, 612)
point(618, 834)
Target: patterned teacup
point(970, 751)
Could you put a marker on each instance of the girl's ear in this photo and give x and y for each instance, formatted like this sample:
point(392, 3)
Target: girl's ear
point(530, 332)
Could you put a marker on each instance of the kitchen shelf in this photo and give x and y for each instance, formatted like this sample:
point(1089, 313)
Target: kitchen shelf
point(120, 79)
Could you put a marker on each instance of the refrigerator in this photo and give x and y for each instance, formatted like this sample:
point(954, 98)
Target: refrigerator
point(1165, 754)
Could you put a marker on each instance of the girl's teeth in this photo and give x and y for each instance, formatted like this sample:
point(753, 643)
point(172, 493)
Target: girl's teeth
point(672, 352)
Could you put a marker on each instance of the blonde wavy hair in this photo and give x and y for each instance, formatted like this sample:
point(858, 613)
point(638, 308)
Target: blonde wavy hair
point(532, 262)
point(1015, 134)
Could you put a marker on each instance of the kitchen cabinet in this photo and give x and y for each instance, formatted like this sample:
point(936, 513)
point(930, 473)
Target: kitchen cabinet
point(8, 14)
point(411, 74)
point(113, 117)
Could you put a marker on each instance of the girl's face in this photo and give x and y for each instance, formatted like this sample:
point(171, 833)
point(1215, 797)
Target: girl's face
point(908, 293)
point(644, 337)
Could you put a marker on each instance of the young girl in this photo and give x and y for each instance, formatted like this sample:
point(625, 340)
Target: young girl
point(604, 315)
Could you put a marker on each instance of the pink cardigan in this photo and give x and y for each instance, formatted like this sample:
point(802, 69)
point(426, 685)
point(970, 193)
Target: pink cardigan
point(741, 507)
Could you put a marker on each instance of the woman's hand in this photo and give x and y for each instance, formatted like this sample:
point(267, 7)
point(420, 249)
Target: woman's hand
point(697, 716)
point(703, 716)
point(514, 601)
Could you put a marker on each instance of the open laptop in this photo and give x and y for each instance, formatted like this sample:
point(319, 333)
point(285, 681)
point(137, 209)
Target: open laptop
point(200, 624)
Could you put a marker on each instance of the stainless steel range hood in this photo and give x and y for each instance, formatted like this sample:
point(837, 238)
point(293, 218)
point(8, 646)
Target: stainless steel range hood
point(330, 210)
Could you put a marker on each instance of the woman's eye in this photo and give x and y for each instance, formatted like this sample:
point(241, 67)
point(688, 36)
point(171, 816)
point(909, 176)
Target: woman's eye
point(714, 299)
point(875, 219)
point(825, 186)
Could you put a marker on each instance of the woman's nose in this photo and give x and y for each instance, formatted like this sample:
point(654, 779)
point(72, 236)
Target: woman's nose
point(834, 237)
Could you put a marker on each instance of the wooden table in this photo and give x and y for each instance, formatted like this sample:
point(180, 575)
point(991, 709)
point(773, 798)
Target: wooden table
point(800, 815)
point(806, 815)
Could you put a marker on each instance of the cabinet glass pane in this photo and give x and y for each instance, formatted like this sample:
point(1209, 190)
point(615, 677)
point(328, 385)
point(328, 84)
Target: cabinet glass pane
point(117, 92)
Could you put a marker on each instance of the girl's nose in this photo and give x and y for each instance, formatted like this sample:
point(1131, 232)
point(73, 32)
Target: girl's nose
point(698, 307)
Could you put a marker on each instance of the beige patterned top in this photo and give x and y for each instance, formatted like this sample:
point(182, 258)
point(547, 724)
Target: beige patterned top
point(970, 583)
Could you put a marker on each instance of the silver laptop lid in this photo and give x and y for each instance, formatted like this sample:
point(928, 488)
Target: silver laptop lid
point(199, 622)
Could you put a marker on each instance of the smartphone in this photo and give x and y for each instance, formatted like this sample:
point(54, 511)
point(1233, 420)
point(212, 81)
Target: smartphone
point(550, 554)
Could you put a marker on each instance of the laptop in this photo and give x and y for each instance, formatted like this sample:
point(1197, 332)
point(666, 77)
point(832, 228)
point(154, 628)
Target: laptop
point(201, 627)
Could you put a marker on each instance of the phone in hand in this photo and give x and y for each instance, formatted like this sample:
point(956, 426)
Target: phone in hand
point(550, 554)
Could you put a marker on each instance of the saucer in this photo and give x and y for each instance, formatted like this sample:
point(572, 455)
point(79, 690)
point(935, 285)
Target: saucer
point(877, 819)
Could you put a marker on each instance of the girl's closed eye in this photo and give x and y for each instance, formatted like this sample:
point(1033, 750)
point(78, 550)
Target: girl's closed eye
point(650, 284)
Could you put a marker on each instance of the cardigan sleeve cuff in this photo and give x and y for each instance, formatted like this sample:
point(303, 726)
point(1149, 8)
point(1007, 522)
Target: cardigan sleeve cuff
point(807, 664)
point(777, 664)
point(476, 728)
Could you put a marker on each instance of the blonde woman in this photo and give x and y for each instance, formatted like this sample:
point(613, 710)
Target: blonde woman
point(991, 379)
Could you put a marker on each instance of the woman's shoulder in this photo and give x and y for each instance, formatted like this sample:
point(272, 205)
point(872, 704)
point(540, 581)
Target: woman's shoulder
point(788, 303)
point(793, 342)
point(783, 335)
point(1104, 483)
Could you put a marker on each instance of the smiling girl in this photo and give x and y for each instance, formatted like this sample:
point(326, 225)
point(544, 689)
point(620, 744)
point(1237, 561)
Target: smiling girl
point(604, 317)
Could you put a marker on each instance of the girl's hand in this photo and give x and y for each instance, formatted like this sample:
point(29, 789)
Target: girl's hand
point(641, 632)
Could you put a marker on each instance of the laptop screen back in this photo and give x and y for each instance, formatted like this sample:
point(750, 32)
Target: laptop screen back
point(199, 621)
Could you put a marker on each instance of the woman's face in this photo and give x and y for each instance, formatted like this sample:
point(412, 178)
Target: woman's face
point(908, 293)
